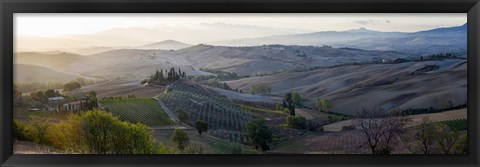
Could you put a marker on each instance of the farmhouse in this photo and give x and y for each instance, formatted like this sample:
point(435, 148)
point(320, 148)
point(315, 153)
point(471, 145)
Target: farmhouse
point(74, 106)
point(54, 103)
point(57, 98)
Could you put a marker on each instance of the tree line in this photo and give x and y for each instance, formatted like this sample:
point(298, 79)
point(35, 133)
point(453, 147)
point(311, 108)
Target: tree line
point(169, 77)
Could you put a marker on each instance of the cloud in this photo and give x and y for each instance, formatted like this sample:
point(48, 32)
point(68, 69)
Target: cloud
point(372, 22)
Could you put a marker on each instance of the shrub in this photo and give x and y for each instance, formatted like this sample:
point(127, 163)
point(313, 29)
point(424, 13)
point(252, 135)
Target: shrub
point(314, 126)
point(260, 89)
point(159, 148)
point(98, 132)
point(39, 127)
point(298, 122)
point(194, 148)
point(22, 131)
point(348, 127)
point(66, 135)
point(333, 118)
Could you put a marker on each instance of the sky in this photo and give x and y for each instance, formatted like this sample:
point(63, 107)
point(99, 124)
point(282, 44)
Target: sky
point(83, 30)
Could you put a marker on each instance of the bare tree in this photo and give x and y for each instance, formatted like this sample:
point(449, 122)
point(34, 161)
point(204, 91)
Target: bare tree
point(425, 134)
point(447, 138)
point(394, 128)
point(380, 128)
point(372, 125)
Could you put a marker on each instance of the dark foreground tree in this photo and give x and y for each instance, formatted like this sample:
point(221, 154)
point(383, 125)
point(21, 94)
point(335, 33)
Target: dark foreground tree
point(380, 128)
point(258, 134)
point(180, 137)
point(201, 126)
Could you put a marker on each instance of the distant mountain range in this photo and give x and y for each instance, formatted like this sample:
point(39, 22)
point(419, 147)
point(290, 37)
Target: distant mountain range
point(165, 45)
point(451, 39)
point(439, 40)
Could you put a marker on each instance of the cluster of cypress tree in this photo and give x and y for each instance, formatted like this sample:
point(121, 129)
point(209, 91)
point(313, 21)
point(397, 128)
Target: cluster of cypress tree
point(169, 77)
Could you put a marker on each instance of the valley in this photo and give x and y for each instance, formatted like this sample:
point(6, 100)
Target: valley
point(286, 94)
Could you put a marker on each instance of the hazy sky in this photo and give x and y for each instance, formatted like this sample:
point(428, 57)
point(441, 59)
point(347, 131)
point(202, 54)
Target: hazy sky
point(138, 29)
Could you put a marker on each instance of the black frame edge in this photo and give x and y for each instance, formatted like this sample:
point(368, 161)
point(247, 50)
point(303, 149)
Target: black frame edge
point(8, 7)
point(473, 93)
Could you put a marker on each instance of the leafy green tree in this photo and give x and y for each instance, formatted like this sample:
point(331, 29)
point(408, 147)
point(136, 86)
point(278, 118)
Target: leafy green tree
point(322, 105)
point(288, 99)
point(182, 115)
point(71, 86)
point(258, 134)
point(297, 98)
point(201, 126)
point(180, 138)
point(92, 94)
point(50, 93)
point(96, 126)
point(39, 96)
point(279, 107)
point(137, 139)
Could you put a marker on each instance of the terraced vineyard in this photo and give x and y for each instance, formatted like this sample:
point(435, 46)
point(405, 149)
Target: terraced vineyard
point(457, 124)
point(145, 111)
point(225, 119)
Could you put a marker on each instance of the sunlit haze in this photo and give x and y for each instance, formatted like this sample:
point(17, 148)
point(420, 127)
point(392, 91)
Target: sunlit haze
point(37, 31)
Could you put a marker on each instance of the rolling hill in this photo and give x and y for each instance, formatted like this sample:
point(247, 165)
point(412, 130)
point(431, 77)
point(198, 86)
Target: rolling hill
point(33, 73)
point(242, 60)
point(269, 58)
point(353, 87)
point(59, 61)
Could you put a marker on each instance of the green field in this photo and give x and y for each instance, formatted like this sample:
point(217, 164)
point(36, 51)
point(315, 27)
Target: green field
point(457, 124)
point(225, 119)
point(146, 111)
point(23, 114)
